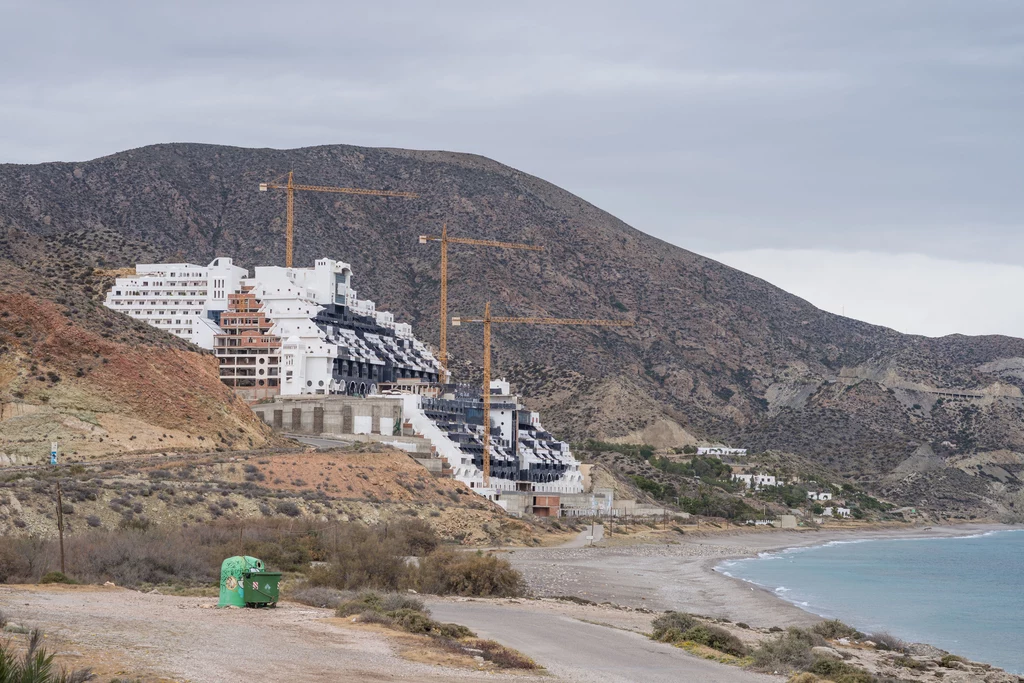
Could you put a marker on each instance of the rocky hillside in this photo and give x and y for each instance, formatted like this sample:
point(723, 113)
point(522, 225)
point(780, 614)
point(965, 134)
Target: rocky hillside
point(715, 353)
point(96, 382)
point(367, 484)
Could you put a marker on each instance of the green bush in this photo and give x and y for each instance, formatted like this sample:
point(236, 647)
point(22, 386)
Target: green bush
point(412, 620)
point(56, 577)
point(368, 601)
point(839, 672)
point(453, 631)
point(716, 638)
point(949, 660)
point(670, 626)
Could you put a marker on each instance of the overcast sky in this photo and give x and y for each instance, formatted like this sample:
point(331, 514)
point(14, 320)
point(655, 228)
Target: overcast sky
point(867, 155)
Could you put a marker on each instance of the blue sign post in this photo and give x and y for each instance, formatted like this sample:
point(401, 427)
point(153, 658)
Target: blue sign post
point(53, 453)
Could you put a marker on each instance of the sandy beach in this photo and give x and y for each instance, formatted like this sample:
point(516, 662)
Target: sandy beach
point(680, 575)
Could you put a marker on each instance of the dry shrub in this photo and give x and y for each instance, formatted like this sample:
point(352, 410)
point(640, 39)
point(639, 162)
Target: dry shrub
point(363, 560)
point(155, 555)
point(414, 536)
point(446, 572)
point(413, 621)
point(12, 564)
point(789, 652)
point(317, 596)
point(400, 612)
point(887, 641)
point(371, 617)
point(804, 678)
point(833, 629)
point(396, 601)
point(670, 626)
point(503, 657)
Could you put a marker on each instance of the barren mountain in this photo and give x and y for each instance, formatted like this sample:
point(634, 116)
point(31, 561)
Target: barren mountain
point(715, 352)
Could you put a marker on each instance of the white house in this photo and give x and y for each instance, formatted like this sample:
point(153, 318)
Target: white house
point(819, 495)
point(755, 481)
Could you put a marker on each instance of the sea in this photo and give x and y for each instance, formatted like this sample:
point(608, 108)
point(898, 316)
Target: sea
point(962, 594)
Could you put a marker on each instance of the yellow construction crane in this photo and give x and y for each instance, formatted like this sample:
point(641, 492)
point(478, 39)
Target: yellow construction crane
point(290, 186)
point(487, 320)
point(445, 240)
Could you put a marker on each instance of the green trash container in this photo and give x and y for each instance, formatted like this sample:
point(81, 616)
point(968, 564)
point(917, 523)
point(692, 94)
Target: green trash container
point(245, 583)
point(260, 589)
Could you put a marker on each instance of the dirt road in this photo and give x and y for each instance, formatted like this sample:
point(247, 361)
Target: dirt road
point(589, 536)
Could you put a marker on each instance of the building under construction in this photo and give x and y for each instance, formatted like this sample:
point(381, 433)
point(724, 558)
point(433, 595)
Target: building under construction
point(289, 333)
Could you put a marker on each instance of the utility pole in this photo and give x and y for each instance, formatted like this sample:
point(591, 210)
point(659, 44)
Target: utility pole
point(60, 525)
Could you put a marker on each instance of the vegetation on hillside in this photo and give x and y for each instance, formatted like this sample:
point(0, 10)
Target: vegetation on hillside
point(708, 342)
point(352, 556)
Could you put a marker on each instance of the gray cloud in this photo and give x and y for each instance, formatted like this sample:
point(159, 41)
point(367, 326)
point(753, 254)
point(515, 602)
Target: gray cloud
point(887, 125)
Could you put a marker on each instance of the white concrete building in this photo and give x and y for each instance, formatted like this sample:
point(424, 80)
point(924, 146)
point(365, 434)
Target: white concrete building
point(819, 495)
point(181, 298)
point(325, 339)
point(719, 451)
point(756, 481)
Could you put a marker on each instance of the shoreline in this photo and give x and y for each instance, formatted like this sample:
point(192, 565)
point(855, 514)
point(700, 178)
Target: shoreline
point(681, 575)
point(711, 566)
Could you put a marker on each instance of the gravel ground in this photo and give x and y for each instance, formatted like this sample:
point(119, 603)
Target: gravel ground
point(126, 633)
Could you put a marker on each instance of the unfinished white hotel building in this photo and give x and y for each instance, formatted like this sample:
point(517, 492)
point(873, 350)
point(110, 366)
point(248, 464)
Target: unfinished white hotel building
point(295, 331)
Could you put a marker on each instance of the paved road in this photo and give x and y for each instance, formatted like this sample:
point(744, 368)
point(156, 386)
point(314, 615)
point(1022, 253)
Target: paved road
point(581, 540)
point(574, 650)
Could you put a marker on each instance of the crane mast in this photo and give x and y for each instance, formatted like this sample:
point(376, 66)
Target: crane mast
point(445, 240)
point(290, 187)
point(487, 320)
